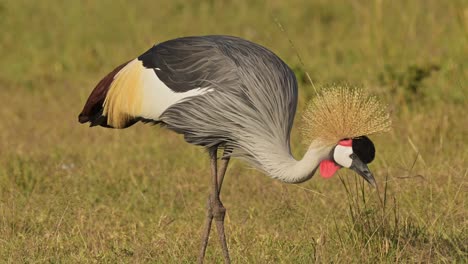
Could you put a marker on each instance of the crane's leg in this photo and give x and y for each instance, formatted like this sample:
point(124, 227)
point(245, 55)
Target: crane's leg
point(220, 211)
point(222, 170)
point(215, 207)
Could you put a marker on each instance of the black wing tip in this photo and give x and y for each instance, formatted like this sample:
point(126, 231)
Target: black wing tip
point(96, 120)
point(100, 120)
point(83, 119)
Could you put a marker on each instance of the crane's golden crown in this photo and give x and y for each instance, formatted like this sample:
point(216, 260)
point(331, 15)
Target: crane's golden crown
point(343, 112)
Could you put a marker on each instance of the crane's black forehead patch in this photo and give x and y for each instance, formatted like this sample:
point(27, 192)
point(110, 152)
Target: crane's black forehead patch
point(364, 149)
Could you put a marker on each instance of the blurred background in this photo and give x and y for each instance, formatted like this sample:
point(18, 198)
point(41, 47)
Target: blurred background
point(73, 194)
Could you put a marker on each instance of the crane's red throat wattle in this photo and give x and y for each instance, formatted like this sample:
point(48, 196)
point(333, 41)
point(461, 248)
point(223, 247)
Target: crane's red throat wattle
point(328, 168)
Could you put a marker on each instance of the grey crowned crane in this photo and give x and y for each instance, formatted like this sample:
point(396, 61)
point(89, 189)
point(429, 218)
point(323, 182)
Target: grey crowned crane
point(224, 92)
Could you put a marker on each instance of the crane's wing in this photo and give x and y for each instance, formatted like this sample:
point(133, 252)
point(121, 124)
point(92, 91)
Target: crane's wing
point(189, 63)
point(169, 72)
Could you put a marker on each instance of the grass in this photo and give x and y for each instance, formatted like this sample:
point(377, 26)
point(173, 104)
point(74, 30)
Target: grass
point(73, 194)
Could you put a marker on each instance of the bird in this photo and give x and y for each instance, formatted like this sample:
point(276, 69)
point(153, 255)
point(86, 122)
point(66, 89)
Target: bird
point(229, 94)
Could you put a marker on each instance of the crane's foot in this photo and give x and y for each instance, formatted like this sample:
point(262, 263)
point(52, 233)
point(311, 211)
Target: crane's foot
point(217, 211)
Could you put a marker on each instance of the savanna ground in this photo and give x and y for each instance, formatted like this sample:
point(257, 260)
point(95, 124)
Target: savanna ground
point(70, 194)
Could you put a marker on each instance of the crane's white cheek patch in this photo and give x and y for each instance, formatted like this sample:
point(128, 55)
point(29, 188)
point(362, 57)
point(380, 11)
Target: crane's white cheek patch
point(328, 168)
point(342, 154)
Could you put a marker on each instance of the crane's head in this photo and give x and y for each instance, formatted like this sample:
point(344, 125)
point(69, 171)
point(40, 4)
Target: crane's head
point(341, 117)
point(353, 154)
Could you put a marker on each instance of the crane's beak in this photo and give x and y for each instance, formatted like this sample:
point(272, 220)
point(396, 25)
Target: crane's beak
point(362, 169)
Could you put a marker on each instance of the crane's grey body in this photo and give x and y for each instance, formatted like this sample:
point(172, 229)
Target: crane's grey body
point(251, 103)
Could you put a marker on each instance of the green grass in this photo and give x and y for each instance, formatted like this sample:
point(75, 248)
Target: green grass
point(70, 194)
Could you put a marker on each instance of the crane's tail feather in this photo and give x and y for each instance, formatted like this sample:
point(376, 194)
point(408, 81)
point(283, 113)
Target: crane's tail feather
point(116, 101)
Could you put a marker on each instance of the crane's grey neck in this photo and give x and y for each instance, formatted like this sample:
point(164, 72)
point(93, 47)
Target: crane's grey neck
point(284, 167)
